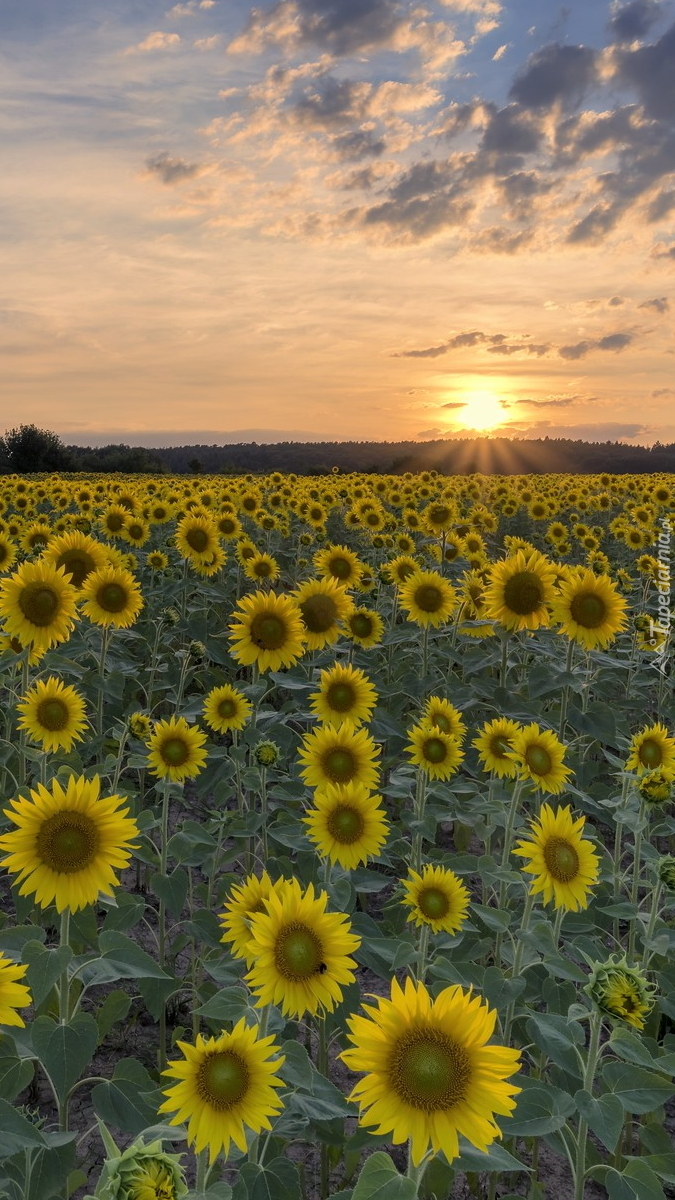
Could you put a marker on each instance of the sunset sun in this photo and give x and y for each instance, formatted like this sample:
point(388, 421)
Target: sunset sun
point(481, 410)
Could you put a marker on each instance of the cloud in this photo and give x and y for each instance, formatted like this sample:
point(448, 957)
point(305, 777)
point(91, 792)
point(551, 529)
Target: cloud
point(154, 41)
point(633, 20)
point(615, 301)
point(556, 74)
point(554, 402)
point(659, 304)
point(521, 348)
point(649, 69)
point(612, 341)
point(359, 144)
point(512, 131)
point(500, 52)
point(454, 404)
point(663, 392)
point(208, 43)
point(171, 170)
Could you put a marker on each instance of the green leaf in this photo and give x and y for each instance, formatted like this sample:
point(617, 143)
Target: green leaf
point(315, 1096)
point(277, 1180)
point(557, 1037)
point(51, 1167)
point(638, 1091)
point(540, 1109)
point(125, 959)
point(45, 967)
point(65, 1049)
point(379, 1180)
point(13, 940)
point(637, 1176)
point(630, 1047)
point(496, 1159)
point(15, 1073)
point(229, 1004)
point(604, 1116)
point(125, 913)
point(114, 1008)
point(18, 1134)
point(172, 889)
point(130, 1100)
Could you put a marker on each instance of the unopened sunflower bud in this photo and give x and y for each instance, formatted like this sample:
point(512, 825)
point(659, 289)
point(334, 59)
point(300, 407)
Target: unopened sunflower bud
point(666, 871)
point(140, 1173)
point(198, 650)
point(657, 787)
point(171, 616)
point(266, 753)
point(140, 726)
point(621, 991)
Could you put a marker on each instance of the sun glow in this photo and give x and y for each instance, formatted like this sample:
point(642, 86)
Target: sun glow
point(481, 410)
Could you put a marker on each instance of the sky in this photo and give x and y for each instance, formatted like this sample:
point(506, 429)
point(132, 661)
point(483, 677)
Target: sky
point(337, 219)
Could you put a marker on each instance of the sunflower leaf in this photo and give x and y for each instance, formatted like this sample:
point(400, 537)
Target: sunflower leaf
point(379, 1180)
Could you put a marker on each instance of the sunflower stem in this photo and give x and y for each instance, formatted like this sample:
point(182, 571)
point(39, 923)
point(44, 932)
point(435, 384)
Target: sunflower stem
point(618, 848)
point(420, 800)
point(202, 1164)
point(649, 932)
point(569, 661)
point(425, 653)
point(518, 960)
point(64, 993)
point(559, 917)
point(25, 677)
point(589, 1076)
point(323, 1068)
point(422, 949)
point(118, 763)
point(635, 884)
point(105, 639)
point(504, 664)
point(508, 835)
point(161, 917)
point(263, 812)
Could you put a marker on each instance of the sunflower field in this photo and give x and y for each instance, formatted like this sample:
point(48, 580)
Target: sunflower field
point(337, 846)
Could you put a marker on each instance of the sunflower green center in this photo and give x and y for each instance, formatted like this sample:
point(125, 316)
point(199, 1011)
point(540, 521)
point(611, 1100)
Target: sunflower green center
point(439, 719)
point(339, 764)
point(428, 598)
point(39, 603)
point(341, 568)
point(588, 610)
point(538, 760)
point(319, 613)
point(650, 753)
point(262, 568)
point(52, 715)
point(499, 745)
point(112, 597)
point(524, 593)
point(227, 525)
point(561, 859)
point(77, 564)
point(341, 697)
point(345, 824)
point(223, 1080)
point(361, 625)
point(175, 751)
point(227, 707)
point(267, 631)
point(114, 522)
point(433, 903)
point(435, 750)
point(67, 842)
point(298, 952)
point(198, 540)
point(429, 1070)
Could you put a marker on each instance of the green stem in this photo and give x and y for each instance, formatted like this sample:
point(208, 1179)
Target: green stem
point(618, 849)
point(263, 812)
point(105, 640)
point(118, 763)
point(649, 932)
point(517, 961)
point(425, 653)
point(559, 917)
point(504, 663)
point(422, 949)
point(161, 929)
point(25, 678)
point(64, 1010)
point(508, 835)
point(569, 660)
point(323, 1067)
point(420, 801)
point(589, 1076)
point(202, 1166)
point(635, 884)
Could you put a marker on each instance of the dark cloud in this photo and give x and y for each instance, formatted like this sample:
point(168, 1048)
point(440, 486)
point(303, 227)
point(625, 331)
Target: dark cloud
point(633, 20)
point(512, 131)
point(473, 338)
point(556, 402)
point(358, 144)
point(659, 304)
point(663, 392)
point(330, 102)
point(454, 404)
point(593, 227)
point(499, 343)
point(661, 206)
point(500, 240)
point(651, 70)
point(359, 180)
point(614, 341)
point(578, 350)
point(171, 170)
point(521, 348)
point(615, 301)
point(555, 74)
point(342, 27)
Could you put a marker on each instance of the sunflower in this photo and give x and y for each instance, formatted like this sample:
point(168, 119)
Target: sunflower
point(520, 591)
point(324, 605)
point(302, 952)
point(438, 754)
point(246, 899)
point(347, 824)
point(443, 715)
point(345, 697)
point(175, 750)
point(38, 605)
point(364, 627)
point(68, 844)
point(261, 568)
point(226, 708)
point(53, 713)
point(111, 597)
point(228, 525)
point(650, 749)
point(113, 520)
point(338, 563)
point(196, 538)
point(267, 630)
point(225, 1086)
point(564, 863)
point(494, 744)
point(207, 567)
point(437, 898)
point(78, 554)
point(590, 610)
point(7, 553)
point(13, 644)
point(157, 560)
point(13, 994)
point(428, 598)
point(430, 1075)
point(339, 756)
point(539, 756)
point(136, 531)
point(398, 569)
point(621, 991)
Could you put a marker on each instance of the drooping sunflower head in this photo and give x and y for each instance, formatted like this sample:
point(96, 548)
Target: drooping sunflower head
point(339, 755)
point(226, 708)
point(429, 1073)
point(225, 1086)
point(112, 597)
point(651, 749)
point(539, 757)
point(494, 745)
point(428, 598)
point(175, 750)
point(437, 753)
point(345, 697)
point(302, 952)
point(621, 991)
point(68, 844)
point(657, 787)
point(267, 630)
point(347, 824)
point(13, 993)
point(140, 726)
point(365, 627)
point(564, 863)
point(245, 900)
point(53, 714)
point(38, 605)
point(436, 897)
point(144, 1171)
point(324, 606)
point(520, 591)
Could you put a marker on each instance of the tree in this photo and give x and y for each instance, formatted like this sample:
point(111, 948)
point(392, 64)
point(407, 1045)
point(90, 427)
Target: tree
point(27, 449)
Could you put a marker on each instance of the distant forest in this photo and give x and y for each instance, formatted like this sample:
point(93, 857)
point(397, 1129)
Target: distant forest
point(28, 449)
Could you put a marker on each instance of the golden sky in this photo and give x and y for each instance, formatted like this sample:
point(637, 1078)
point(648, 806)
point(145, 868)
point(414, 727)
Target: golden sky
point(363, 219)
